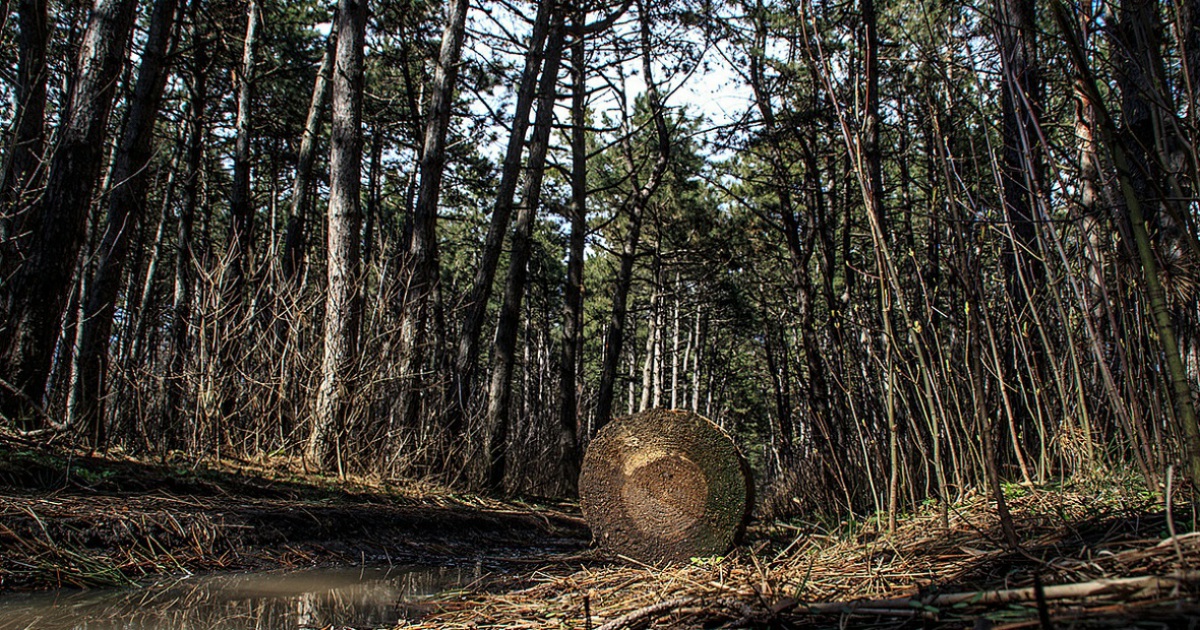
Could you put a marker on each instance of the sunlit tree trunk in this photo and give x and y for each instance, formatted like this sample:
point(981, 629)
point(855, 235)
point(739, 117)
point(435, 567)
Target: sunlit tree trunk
point(422, 257)
point(343, 296)
point(373, 194)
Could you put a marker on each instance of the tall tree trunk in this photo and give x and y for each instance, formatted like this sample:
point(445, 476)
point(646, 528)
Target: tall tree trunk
point(568, 416)
point(871, 126)
point(615, 335)
point(38, 295)
point(1022, 169)
point(373, 193)
point(652, 333)
point(343, 297)
point(1147, 183)
point(296, 238)
point(500, 392)
point(126, 209)
point(240, 239)
point(181, 306)
point(799, 251)
point(28, 142)
point(467, 356)
point(241, 208)
point(422, 262)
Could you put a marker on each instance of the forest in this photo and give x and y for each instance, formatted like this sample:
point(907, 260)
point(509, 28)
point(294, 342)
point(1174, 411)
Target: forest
point(904, 253)
point(922, 239)
point(897, 249)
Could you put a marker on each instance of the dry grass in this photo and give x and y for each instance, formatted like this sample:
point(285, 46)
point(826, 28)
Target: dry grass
point(865, 577)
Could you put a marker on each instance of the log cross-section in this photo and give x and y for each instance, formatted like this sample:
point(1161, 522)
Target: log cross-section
point(665, 486)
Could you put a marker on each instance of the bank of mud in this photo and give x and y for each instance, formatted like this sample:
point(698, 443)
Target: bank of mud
point(72, 519)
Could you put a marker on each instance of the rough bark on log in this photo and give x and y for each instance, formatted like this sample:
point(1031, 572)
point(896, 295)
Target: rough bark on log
point(665, 486)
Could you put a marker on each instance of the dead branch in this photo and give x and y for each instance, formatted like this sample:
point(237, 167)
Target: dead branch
point(1129, 588)
point(646, 612)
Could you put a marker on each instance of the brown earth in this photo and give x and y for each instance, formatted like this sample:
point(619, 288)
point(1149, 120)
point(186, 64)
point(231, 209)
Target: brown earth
point(70, 519)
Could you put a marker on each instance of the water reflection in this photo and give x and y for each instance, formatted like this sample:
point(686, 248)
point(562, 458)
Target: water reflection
point(316, 598)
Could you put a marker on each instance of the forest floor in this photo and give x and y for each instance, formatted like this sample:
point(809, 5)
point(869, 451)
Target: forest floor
point(1090, 556)
point(70, 519)
point(1095, 556)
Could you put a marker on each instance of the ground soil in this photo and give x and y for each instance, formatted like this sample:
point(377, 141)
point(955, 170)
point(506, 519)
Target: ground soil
point(73, 519)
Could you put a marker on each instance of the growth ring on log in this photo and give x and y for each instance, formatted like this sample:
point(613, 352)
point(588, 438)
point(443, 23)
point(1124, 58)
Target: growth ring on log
point(665, 486)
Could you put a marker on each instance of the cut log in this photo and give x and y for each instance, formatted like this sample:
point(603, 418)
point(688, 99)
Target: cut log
point(664, 486)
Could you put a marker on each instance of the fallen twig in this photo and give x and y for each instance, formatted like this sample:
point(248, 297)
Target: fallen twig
point(646, 612)
point(1128, 588)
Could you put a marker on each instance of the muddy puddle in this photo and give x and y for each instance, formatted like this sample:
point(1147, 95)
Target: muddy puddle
point(314, 598)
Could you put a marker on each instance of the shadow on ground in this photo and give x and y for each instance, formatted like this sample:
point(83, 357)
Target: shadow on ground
point(76, 520)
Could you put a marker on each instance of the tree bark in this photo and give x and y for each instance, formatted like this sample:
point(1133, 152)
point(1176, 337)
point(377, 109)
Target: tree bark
point(568, 418)
point(373, 193)
point(296, 237)
point(422, 262)
point(343, 297)
point(651, 342)
point(181, 305)
point(467, 356)
point(38, 294)
point(799, 251)
point(500, 392)
point(1022, 168)
point(126, 209)
point(240, 236)
point(241, 209)
point(1175, 373)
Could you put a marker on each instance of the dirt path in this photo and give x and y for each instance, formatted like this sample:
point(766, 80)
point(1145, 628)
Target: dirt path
point(84, 521)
